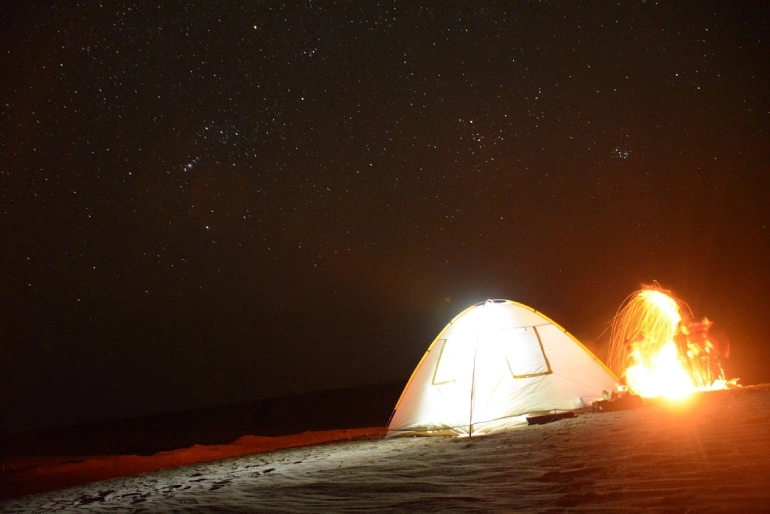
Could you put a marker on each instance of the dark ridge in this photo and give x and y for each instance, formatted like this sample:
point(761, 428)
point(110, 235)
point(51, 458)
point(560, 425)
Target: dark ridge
point(358, 407)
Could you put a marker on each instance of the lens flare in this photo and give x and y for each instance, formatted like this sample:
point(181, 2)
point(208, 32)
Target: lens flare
point(660, 351)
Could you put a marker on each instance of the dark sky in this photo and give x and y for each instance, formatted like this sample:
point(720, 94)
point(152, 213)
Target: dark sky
point(206, 204)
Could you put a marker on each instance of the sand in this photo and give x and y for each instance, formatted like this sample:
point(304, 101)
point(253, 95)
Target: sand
point(710, 454)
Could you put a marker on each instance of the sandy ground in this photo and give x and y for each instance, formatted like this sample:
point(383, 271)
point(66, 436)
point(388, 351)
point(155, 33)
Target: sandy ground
point(711, 454)
point(28, 475)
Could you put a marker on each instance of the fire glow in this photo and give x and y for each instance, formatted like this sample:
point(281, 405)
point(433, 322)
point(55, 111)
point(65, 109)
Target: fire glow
point(657, 352)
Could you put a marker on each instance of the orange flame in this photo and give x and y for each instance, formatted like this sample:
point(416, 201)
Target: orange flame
point(657, 353)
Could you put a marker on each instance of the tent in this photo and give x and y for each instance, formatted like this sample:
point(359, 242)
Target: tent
point(492, 365)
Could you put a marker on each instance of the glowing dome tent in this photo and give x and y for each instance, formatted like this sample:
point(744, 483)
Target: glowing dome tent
point(492, 364)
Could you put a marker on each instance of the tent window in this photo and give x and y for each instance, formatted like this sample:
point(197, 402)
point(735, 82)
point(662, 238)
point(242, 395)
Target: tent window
point(524, 352)
point(450, 362)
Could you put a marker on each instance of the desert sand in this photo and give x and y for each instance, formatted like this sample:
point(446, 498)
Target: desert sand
point(708, 454)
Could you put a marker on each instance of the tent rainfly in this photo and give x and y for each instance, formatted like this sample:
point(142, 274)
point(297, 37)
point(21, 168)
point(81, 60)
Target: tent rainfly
point(492, 365)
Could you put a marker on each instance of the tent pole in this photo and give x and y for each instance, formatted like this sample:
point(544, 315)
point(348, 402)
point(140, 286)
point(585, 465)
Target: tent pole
point(473, 388)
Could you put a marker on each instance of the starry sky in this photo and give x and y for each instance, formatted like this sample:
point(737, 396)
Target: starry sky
point(203, 203)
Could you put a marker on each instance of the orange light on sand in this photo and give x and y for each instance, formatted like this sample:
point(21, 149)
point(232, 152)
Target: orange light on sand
point(657, 353)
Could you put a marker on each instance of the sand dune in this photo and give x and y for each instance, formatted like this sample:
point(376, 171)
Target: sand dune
point(711, 454)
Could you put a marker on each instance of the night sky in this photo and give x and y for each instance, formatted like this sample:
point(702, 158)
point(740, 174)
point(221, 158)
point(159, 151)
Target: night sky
point(203, 204)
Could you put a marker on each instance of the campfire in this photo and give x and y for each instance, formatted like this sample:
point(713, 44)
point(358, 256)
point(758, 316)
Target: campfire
point(658, 348)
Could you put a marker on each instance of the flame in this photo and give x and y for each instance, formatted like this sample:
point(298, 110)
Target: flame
point(663, 375)
point(657, 353)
